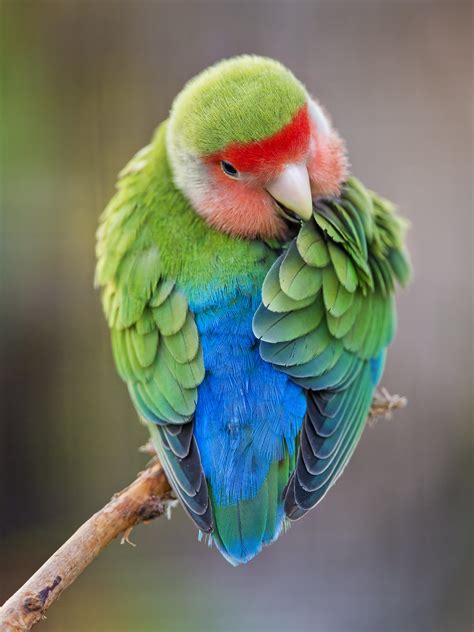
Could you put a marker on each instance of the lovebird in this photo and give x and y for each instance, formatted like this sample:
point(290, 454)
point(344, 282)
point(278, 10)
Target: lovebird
point(248, 282)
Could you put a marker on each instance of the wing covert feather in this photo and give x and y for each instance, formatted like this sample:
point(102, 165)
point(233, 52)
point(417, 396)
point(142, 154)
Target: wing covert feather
point(327, 313)
point(155, 341)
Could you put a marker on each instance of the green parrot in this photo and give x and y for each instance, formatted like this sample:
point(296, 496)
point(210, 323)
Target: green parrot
point(248, 282)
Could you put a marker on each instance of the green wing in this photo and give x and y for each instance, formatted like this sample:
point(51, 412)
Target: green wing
point(326, 317)
point(155, 341)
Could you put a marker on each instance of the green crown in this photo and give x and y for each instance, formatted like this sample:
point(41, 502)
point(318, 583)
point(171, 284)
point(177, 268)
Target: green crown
point(242, 99)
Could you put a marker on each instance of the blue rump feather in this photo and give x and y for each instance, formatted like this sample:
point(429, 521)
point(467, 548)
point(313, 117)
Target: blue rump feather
point(247, 413)
point(247, 420)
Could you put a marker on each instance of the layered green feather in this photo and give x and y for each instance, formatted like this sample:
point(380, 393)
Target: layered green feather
point(327, 311)
point(335, 281)
point(155, 341)
point(154, 338)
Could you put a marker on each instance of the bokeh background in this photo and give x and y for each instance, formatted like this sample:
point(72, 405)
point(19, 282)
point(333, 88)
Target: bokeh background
point(83, 84)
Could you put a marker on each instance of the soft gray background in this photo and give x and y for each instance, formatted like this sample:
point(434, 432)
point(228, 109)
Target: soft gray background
point(82, 86)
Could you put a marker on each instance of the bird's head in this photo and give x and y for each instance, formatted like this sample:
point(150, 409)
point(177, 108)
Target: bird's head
point(250, 148)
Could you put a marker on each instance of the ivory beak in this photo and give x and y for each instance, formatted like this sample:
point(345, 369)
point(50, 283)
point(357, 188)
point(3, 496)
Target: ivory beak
point(292, 189)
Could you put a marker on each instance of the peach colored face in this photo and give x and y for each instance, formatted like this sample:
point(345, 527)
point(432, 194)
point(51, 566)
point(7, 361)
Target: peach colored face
point(256, 190)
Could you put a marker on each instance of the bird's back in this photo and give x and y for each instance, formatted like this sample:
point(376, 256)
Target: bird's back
point(247, 417)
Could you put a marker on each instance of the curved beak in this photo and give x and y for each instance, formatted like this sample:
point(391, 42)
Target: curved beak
point(292, 190)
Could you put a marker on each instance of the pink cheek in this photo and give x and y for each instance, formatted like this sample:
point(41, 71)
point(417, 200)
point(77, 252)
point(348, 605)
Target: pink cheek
point(327, 166)
point(235, 207)
point(314, 168)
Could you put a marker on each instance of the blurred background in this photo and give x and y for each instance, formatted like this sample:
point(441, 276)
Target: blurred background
point(83, 84)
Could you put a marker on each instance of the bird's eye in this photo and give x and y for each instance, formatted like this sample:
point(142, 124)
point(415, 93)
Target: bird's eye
point(229, 169)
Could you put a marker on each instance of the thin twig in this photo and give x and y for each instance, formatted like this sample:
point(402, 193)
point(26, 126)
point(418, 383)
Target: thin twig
point(148, 497)
point(384, 404)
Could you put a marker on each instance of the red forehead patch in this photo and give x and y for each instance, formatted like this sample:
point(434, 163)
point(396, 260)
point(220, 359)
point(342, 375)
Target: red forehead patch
point(289, 144)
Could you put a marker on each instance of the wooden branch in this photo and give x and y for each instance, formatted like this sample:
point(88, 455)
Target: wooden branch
point(148, 497)
point(384, 404)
